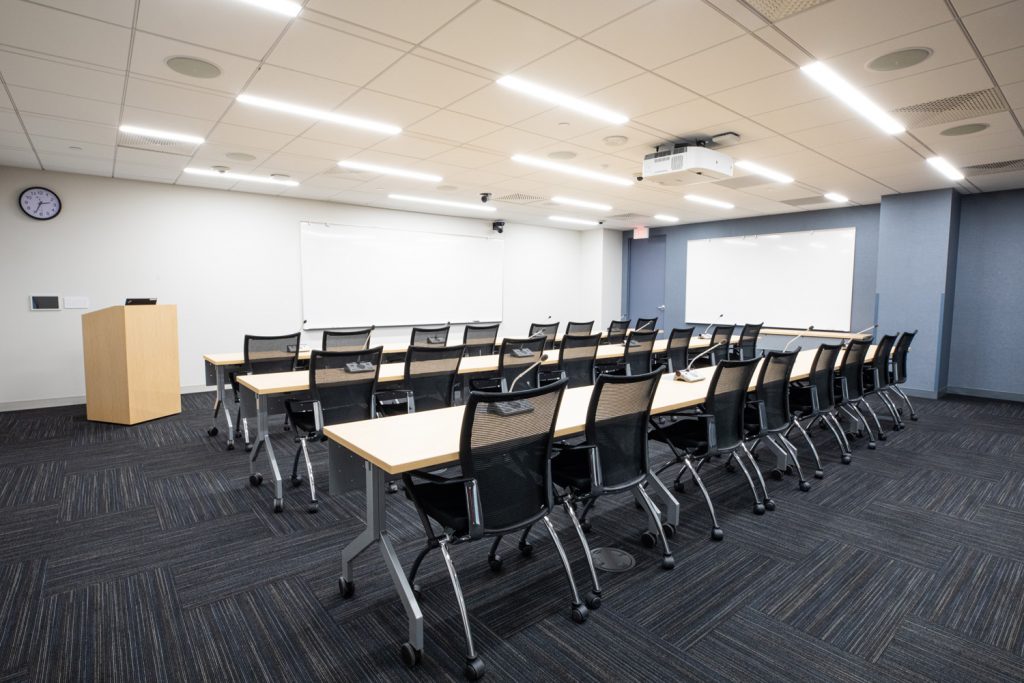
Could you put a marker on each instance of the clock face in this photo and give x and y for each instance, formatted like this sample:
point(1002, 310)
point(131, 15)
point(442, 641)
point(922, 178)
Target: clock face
point(40, 203)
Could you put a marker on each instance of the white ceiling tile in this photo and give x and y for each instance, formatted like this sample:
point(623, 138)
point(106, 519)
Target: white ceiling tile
point(1014, 95)
point(411, 20)
point(46, 74)
point(1001, 131)
point(576, 16)
point(202, 22)
point(242, 137)
point(293, 164)
point(76, 131)
point(775, 92)
point(807, 115)
point(370, 105)
point(332, 181)
point(14, 139)
point(29, 101)
point(643, 94)
point(150, 53)
point(1012, 149)
point(635, 138)
point(560, 124)
point(426, 81)
point(449, 125)
point(839, 26)
point(249, 116)
point(782, 44)
point(998, 28)
point(149, 118)
point(725, 66)
point(174, 99)
point(835, 133)
point(213, 154)
point(696, 116)
point(339, 56)
point(999, 181)
point(411, 146)
point(287, 85)
point(579, 69)
point(72, 164)
point(9, 121)
point(152, 174)
point(741, 12)
point(930, 85)
point(468, 158)
point(1008, 66)
point(510, 141)
point(53, 32)
point(306, 191)
point(480, 35)
point(665, 31)
point(113, 11)
point(320, 149)
point(498, 104)
point(48, 145)
point(18, 158)
point(965, 7)
point(145, 157)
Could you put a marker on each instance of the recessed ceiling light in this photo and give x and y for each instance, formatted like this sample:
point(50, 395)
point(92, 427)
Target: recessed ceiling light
point(447, 188)
point(561, 99)
point(945, 168)
point(836, 197)
point(319, 114)
point(75, 147)
point(666, 218)
point(193, 67)
point(240, 156)
point(389, 170)
point(615, 140)
point(240, 176)
point(562, 154)
point(569, 219)
point(280, 176)
point(762, 171)
point(443, 202)
point(965, 129)
point(900, 59)
point(569, 201)
point(852, 97)
point(709, 201)
point(162, 134)
point(285, 7)
point(571, 170)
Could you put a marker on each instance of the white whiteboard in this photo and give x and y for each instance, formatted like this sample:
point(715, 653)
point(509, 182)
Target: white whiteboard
point(355, 275)
point(790, 279)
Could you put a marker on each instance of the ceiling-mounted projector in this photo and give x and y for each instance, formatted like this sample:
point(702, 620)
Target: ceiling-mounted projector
point(690, 159)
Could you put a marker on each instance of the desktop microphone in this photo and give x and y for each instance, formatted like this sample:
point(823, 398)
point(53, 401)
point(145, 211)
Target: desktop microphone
point(688, 375)
point(790, 342)
point(530, 367)
point(641, 328)
point(704, 334)
point(846, 342)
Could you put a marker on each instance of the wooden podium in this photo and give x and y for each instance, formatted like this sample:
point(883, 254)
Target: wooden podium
point(131, 363)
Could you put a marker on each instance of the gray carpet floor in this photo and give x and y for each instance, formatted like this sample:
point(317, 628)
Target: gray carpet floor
point(142, 554)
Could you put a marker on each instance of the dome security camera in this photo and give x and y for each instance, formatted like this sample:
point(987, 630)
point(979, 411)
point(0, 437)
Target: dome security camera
point(639, 178)
point(485, 197)
point(498, 226)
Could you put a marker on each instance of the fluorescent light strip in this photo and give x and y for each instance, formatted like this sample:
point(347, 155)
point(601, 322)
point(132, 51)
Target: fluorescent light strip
point(562, 100)
point(852, 97)
point(945, 168)
point(710, 202)
point(442, 202)
point(576, 221)
point(162, 134)
point(571, 170)
point(760, 170)
point(666, 218)
point(228, 175)
point(320, 114)
point(388, 170)
point(836, 197)
point(569, 201)
point(285, 7)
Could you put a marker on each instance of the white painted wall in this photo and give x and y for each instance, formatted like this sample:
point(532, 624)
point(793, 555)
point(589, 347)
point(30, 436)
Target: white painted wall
point(601, 274)
point(230, 261)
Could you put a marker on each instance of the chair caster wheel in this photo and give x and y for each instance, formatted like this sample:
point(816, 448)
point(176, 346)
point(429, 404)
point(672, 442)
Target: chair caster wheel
point(278, 506)
point(417, 592)
point(410, 655)
point(647, 539)
point(769, 504)
point(392, 487)
point(212, 431)
point(580, 613)
point(637, 505)
point(668, 562)
point(593, 600)
point(255, 479)
point(346, 588)
point(872, 446)
point(287, 428)
point(585, 525)
point(494, 563)
point(758, 508)
point(668, 529)
point(846, 459)
point(789, 469)
point(314, 507)
point(777, 475)
point(717, 534)
point(230, 446)
point(819, 474)
point(474, 670)
point(730, 468)
point(248, 448)
point(805, 486)
point(882, 437)
point(913, 418)
point(296, 480)
point(679, 486)
point(526, 549)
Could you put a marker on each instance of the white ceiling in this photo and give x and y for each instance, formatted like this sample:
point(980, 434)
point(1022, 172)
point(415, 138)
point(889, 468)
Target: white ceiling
point(72, 71)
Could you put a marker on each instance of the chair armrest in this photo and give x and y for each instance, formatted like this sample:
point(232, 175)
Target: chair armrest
point(474, 511)
point(815, 401)
point(762, 415)
point(594, 460)
point(844, 388)
point(709, 424)
point(294, 406)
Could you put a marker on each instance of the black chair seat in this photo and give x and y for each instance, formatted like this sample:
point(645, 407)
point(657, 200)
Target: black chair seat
point(445, 503)
point(689, 435)
point(571, 469)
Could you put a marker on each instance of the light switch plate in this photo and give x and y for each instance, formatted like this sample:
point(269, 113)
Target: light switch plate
point(76, 302)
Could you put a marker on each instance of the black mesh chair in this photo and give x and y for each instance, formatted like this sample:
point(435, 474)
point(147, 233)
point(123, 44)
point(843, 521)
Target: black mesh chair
point(516, 357)
point(747, 345)
point(579, 328)
point(898, 369)
point(479, 339)
point(636, 359)
point(548, 330)
point(263, 355)
point(850, 386)
point(430, 336)
point(428, 383)
point(617, 332)
point(714, 430)
point(876, 382)
point(505, 485)
point(768, 416)
point(721, 336)
point(577, 354)
point(354, 339)
point(341, 389)
point(813, 400)
point(646, 324)
point(677, 350)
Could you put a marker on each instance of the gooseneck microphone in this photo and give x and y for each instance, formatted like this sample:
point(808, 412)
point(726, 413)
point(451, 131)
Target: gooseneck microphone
point(846, 342)
point(790, 342)
point(704, 334)
point(528, 369)
point(688, 375)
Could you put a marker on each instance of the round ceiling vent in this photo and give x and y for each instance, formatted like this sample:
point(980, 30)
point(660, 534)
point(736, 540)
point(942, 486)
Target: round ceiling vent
point(900, 59)
point(562, 154)
point(965, 129)
point(616, 140)
point(240, 156)
point(280, 176)
point(221, 169)
point(447, 188)
point(193, 67)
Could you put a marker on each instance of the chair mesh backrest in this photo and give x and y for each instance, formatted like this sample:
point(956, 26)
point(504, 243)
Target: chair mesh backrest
point(646, 324)
point(773, 387)
point(270, 354)
point(509, 454)
point(748, 340)
point(577, 356)
point(853, 367)
point(678, 348)
point(549, 330)
point(430, 336)
point(430, 373)
point(727, 397)
point(347, 340)
point(617, 419)
point(720, 334)
point(899, 357)
point(639, 349)
point(617, 331)
point(579, 328)
point(516, 356)
point(823, 372)
point(881, 360)
point(344, 395)
point(479, 339)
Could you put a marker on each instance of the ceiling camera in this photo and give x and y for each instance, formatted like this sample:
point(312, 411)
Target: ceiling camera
point(498, 226)
point(485, 197)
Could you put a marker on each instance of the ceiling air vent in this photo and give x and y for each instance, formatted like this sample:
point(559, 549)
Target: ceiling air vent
point(744, 181)
point(519, 198)
point(994, 167)
point(950, 109)
point(630, 218)
point(777, 10)
point(806, 201)
point(152, 144)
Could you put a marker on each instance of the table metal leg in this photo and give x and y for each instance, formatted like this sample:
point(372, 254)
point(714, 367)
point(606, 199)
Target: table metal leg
point(218, 406)
point(263, 439)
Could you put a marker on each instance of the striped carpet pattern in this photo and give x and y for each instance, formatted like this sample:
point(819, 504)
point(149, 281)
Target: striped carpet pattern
point(142, 554)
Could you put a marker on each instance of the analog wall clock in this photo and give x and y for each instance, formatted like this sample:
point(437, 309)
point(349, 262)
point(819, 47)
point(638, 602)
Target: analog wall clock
point(40, 203)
